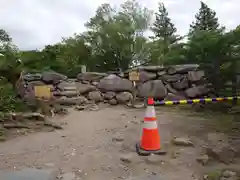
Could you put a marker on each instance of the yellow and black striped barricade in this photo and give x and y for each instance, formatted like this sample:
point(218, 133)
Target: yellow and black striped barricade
point(195, 101)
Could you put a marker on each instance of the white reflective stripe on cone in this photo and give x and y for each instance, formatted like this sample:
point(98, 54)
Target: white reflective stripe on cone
point(150, 125)
point(150, 112)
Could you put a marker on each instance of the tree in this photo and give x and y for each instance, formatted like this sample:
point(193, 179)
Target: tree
point(9, 62)
point(74, 53)
point(4, 36)
point(165, 37)
point(139, 20)
point(206, 20)
point(102, 37)
point(32, 60)
point(204, 36)
point(207, 45)
point(163, 28)
point(230, 67)
point(116, 36)
point(9, 73)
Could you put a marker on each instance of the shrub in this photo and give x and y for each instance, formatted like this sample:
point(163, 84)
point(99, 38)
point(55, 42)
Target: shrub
point(9, 100)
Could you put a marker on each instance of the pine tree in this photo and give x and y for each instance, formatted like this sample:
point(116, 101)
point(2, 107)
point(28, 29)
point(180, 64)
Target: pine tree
point(164, 31)
point(163, 28)
point(206, 44)
point(205, 20)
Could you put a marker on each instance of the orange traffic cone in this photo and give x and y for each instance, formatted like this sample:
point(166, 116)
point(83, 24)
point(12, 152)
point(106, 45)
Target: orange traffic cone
point(150, 140)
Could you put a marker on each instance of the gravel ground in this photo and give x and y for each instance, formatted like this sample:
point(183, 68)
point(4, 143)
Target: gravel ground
point(101, 144)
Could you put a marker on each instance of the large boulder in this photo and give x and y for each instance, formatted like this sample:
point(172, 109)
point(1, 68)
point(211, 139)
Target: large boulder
point(174, 97)
point(146, 76)
point(96, 96)
point(67, 86)
point(35, 83)
point(72, 101)
point(85, 88)
point(66, 93)
point(180, 85)
point(124, 97)
point(197, 91)
point(32, 77)
point(171, 89)
point(114, 83)
point(171, 78)
point(151, 68)
point(109, 95)
point(161, 73)
point(53, 77)
point(155, 89)
point(181, 69)
point(195, 75)
point(76, 86)
point(90, 76)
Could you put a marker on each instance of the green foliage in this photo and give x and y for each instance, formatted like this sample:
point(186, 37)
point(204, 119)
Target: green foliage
point(206, 20)
point(212, 48)
point(8, 99)
point(116, 36)
point(214, 175)
point(4, 36)
point(164, 49)
point(163, 28)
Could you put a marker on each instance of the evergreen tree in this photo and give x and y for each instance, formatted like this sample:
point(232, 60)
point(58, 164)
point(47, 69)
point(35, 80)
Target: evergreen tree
point(207, 46)
point(164, 31)
point(205, 20)
point(163, 28)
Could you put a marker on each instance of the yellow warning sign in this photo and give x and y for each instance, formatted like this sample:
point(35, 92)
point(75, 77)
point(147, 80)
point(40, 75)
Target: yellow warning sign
point(134, 76)
point(43, 91)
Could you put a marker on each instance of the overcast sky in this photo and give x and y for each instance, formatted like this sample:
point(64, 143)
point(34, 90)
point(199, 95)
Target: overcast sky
point(35, 23)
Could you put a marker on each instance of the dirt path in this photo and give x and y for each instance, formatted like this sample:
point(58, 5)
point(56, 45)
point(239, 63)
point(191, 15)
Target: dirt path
point(86, 146)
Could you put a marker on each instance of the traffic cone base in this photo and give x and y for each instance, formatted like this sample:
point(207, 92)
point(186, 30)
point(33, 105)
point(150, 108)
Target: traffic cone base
point(143, 152)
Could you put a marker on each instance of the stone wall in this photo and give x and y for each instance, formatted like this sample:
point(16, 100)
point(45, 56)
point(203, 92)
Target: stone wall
point(170, 83)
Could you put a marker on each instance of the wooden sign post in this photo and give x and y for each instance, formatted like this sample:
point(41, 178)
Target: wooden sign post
point(134, 76)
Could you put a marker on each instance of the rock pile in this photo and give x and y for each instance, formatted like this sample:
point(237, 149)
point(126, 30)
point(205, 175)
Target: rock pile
point(170, 83)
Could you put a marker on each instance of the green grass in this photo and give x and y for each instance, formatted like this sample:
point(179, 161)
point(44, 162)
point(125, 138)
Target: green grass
point(214, 175)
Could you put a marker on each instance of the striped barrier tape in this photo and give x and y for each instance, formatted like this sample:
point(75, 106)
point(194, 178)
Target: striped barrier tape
point(194, 101)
